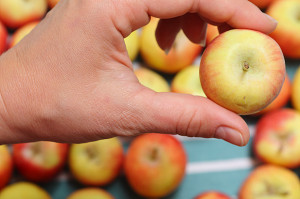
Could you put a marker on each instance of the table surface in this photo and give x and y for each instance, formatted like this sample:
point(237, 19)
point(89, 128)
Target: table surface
point(212, 165)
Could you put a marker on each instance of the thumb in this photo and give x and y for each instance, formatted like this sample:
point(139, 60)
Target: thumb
point(191, 116)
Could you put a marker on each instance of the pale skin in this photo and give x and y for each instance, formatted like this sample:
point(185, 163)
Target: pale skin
point(71, 79)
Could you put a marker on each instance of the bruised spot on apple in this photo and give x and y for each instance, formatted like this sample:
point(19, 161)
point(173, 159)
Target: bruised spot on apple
point(40, 161)
point(90, 193)
point(21, 32)
point(212, 195)
point(242, 70)
point(155, 164)
point(3, 38)
point(6, 166)
point(277, 138)
point(272, 182)
point(96, 163)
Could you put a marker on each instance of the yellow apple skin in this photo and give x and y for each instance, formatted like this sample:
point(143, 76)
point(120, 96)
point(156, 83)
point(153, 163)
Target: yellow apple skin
point(24, 190)
point(20, 33)
point(188, 81)
point(287, 31)
point(6, 166)
point(212, 33)
point(277, 138)
point(90, 193)
point(262, 3)
point(270, 182)
point(296, 90)
point(52, 3)
point(155, 164)
point(16, 13)
point(182, 54)
point(132, 43)
point(96, 163)
point(242, 70)
point(152, 80)
point(212, 195)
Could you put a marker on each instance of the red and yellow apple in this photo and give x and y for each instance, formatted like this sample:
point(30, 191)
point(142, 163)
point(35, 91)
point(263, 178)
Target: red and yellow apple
point(288, 29)
point(21, 32)
point(132, 43)
point(152, 80)
point(155, 164)
point(270, 182)
point(262, 3)
point(96, 163)
point(242, 70)
point(52, 3)
point(24, 190)
point(277, 138)
point(6, 166)
point(296, 90)
point(90, 193)
point(187, 81)
point(182, 53)
point(212, 33)
point(3, 38)
point(40, 161)
point(212, 195)
point(16, 13)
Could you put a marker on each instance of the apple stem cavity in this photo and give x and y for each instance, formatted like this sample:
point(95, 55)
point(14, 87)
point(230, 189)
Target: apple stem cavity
point(154, 154)
point(246, 66)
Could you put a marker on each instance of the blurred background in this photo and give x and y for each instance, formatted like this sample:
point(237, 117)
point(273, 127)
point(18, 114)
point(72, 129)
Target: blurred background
point(165, 166)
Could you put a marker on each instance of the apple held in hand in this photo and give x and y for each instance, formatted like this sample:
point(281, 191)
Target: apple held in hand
point(271, 182)
point(96, 163)
point(242, 70)
point(40, 161)
point(277, 138)
point(24, 190)
point(296, 90)
point(287, 32)
point(6, 166)
point(155, 164)
point(52, 3)
point(262, 3)
point(212, 195)
point(90, 193)
point(212, 33)
point(152, 80)
point(3, 38)
point(132, 43)
point(20, 33)
point(182, 53)
point(16, 13)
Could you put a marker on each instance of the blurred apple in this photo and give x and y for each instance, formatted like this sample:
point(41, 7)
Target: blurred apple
point(242, 70)
point(6, 166)
point(152, 80)
point(21, 32)
point(262, 3)
point(40, 161)
point(277, 138)
point(3, 38)
point(212, 195)
point(181, 55)
point(188, 81)
point(296, 90)
point(52, 3)
point(90, 193)
point(155, 164)
point(96, 163)
point(287, 32)
point(212, 33)
point(24, 190)
point(271, 182)
point(132, 43)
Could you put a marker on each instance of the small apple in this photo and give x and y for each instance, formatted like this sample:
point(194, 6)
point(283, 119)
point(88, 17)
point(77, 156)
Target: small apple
point(40, 161)
point(6, 166)
point(96, 163)
point(212, 33)
point(262, 3)
point(24, 190)
point(90, 193)
point(187, 81)
point(282, 99)
point(3, 38)
point(242, 70)
point(52, 3)
point(287, 31)
point(155, 164)
point(152, 80)
point(182, 54)
point(132, 43)
point(21, 32)
point(16, 13)
point(277, 138)
point(212, 195)
point(270, 182)
point(296, 90)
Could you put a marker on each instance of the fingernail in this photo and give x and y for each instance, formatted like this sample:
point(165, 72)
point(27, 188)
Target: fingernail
point(229, 135)
point(203, 35)
point(271, 18)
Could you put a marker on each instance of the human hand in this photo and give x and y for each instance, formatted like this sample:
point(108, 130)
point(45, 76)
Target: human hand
point(71, 79)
